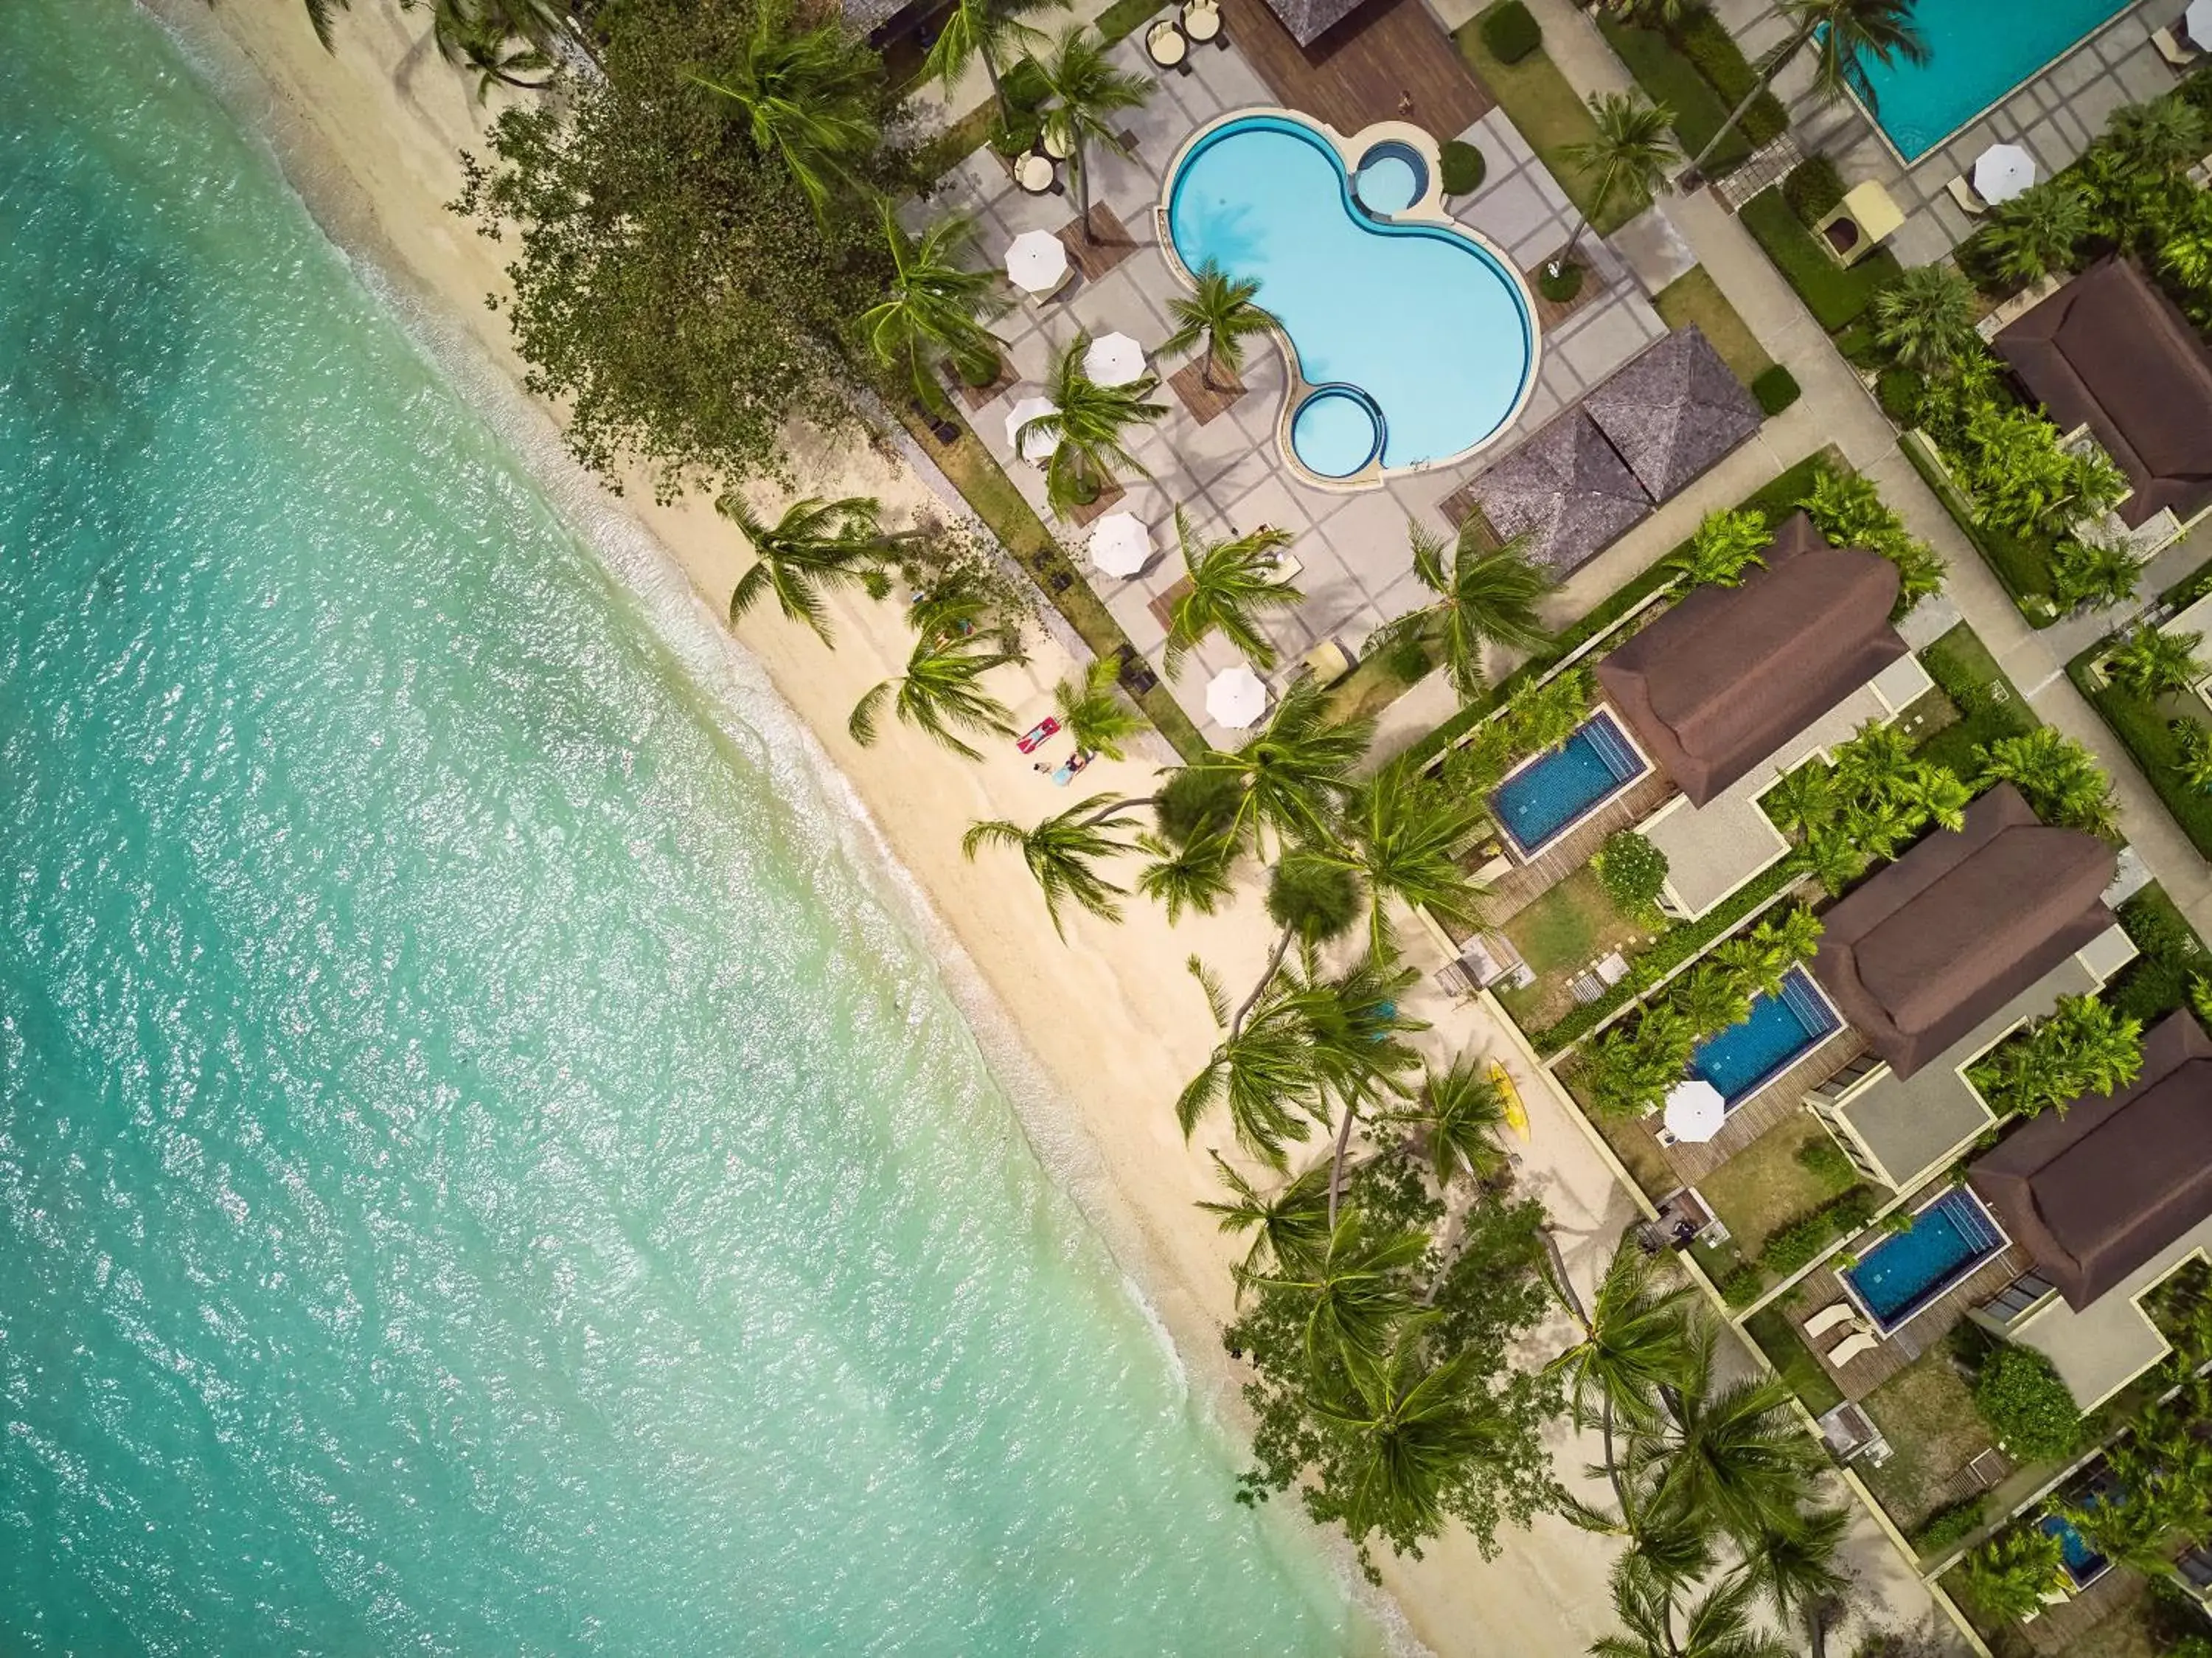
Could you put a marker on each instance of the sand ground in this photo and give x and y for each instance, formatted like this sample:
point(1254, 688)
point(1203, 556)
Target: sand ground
point(371, 137)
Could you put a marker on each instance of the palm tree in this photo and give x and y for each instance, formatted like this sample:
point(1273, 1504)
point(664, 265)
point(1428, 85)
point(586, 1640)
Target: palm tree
point(2164, 135)
point(2153, 663)
point(2192, 745)
point(2036, 231)
point(1093, 713)
point(1458, 1112)
point(1636, 1341)
point(1717, 1625)
point(1356, 1292)
point(1924, 319)
point(2059, 777)
point(808, 96)
point(2012, 1575)
point(1261, 1069)
point(1843, 34)
point(1727, 544)
point(1083, 92)
point(1091, 423)
point(485, 36)
point(816, 544)
point(940, 689)
point(1728, 1456)
point(1485, 595)
point(1290, 1229)
point(1413, 1425)
point(2187, 253)
point(1631, 151)
point(1220, 312)
point(1312, 899)
point(1061, 851)
point(1194, 873)
point(1294, 777)
point(995, 31)
point(1401, 837)
point(935, 308)
point(1794, 1568)
point(1230, 583)
point(1800, 799)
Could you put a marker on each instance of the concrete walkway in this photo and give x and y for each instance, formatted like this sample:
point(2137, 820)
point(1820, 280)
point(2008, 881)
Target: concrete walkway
point(1837, 409)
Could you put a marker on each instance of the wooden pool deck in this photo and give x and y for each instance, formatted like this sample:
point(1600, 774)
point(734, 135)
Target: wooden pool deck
point(1390, 61)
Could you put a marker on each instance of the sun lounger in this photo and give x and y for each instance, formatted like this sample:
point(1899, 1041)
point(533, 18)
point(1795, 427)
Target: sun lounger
point(2182, 54)
point(1969, 198)
point(1857, 1345)
point(1830, 1318)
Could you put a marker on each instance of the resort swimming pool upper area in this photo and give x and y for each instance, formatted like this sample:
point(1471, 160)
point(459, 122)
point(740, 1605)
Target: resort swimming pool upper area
point(1411, 342)
point(1979, 51)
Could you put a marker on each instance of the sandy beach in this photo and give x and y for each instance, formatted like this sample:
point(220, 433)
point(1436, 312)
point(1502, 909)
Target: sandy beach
point(371, 137)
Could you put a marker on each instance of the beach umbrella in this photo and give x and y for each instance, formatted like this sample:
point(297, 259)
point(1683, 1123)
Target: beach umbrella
point(1114, 360)
point(1236, 699)
point(2198, 23)
point(2002, 171)
point(1037, 261)
point(1695, 1110)
point(1037, 446)
point(1120, 544)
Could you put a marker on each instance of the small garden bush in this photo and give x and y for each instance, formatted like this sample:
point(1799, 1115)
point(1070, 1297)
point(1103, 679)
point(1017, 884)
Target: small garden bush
point(1510, 32)
point(1776, 390)
point(1949, 1525)
point(1823, 1158)
point(1461, 168)
point(1561, 286)
point(1798, 1243)
point(1898, 390)
point(1741, 1287)
point(1814, 188)
point(2027, 1407)
point(1631, 870)
point(1836, 296)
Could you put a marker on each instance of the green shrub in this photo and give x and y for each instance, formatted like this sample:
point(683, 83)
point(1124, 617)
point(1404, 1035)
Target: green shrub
point(1560, 287)
point(1776, 389)
point(2026, 1406)
point(1462, 168)
point(1898, 390)
point(1124, 17)
point(1860, 348)
point(1741, 1287)
point(1631, 870)
point(1798, 1243)
point(1836, 296)
point(1712, 51)
point(1510, 31)
point(1764, 122)
point(1814, 188)
point(1951, 1524)
point(1824, 1159)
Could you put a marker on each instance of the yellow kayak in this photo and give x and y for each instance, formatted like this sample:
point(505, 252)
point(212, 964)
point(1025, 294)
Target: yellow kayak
point(1517, 1114)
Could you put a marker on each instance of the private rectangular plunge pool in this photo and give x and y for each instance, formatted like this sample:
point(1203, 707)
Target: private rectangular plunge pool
point(1906, 1272)
point(2083, 1563)
point(1781, 1030)
point(1560, 788)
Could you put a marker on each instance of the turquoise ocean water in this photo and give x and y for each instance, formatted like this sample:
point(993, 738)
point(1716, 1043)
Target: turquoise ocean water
point(481, 1169)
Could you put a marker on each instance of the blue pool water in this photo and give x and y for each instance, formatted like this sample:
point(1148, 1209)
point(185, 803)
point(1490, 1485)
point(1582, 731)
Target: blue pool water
point(1906, 1270)
point(1554, 789)
point(1977, 51)
point(1427, 323)
point(1745, 1055)
point(2083, 1563)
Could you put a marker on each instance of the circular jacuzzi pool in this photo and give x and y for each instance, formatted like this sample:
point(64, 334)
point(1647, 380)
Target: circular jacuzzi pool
point(1337, 431)
point(1392, 177)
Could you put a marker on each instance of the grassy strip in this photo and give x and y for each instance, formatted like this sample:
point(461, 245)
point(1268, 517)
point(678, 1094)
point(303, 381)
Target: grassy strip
point(1537, 99)
point(986, 487)
point(940, 154)
point(1695, 297)
point(1125, 17)
point(1775, 499)
point(2023, 567)
point(1786, 1351)
point(2148, 735)
point(1963, 669)
point(1670, 79)
point(1833, 294)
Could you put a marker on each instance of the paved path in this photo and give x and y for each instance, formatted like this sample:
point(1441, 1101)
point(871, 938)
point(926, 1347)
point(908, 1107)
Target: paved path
point(1836, 408)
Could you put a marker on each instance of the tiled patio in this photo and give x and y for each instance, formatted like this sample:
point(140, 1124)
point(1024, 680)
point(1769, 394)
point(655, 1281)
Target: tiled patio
point(1226, 474)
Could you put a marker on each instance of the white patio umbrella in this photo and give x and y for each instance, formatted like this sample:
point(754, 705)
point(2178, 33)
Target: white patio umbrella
point(1695, 1110)
point(2001, 172)
point(1236, 697)
point(1114, 360)
point(2198, 23)
point(1037, 261)
point(1120, 544)
point(1035, 448)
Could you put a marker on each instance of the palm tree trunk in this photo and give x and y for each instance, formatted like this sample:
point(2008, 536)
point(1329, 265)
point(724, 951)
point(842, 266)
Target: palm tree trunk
point(1565, 1284)
point(1077, 164)
point(1274, 964)
point(1567, 257)
point(1106, 812)
point(997, 92)
point(1336, 1165)
point(1774, 65)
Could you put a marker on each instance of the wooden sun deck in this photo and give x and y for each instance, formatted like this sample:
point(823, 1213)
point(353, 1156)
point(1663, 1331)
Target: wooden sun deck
point(1869, 1371)
point(1773, 1104)
point(1522, 885)
point(1369, 68)
point(2071, 1626)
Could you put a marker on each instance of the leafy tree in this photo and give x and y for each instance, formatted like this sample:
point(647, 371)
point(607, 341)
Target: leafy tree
point(941, 689)
point(1632, 871)
point(1845, 35)
point(2082, 1047)
point(996, 32)
point(1924, 319)
point(935, 308)
point(2027, 1405)
point(811, 96)
point(816, 544)
point(2036, 231)
point(1090, 424)
point(2152, 663)
point(2090, 571)
point(1231, 583)
point(2012, 1575)
point(1629, 152)
point(1084, 92)
point(1484, 596)
point(1093, 712)
point(1728, 543)
point(1221, 311)
point(2060, 779)
point(1062, 851)
point(674, 288)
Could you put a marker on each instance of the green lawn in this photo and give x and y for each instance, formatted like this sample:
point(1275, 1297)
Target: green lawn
point(2147, 731)
point(1988, 704)
point(1927, 1413)
point(1694, 296)
point(1764, 1186)
point(1537, 99)
point(1671, 80)
point(1125, 17)
point(1560, 934)
point(1835, 294)
point(1786, 1351)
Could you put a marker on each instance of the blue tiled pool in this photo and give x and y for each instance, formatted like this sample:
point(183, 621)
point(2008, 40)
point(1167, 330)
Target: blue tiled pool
point(1742, 1057)
point(1554, 789)
point(1906, 1270)
point(2083, 1563)
point(1977, 51)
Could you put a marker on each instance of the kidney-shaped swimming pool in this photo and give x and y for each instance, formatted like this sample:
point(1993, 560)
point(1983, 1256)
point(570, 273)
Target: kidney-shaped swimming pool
point(1417, 330)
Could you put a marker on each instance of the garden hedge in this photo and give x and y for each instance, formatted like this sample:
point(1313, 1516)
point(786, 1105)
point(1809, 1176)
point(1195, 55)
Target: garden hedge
point(1510, 31)
point(1462, 168)
point(2026, 1406)
point(1813, 189)
point(1776, 389)
point(1800, 1242)
point(1835, 295)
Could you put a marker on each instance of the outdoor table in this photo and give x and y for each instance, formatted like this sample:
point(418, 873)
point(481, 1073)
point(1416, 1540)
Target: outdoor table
point(1035, 173)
